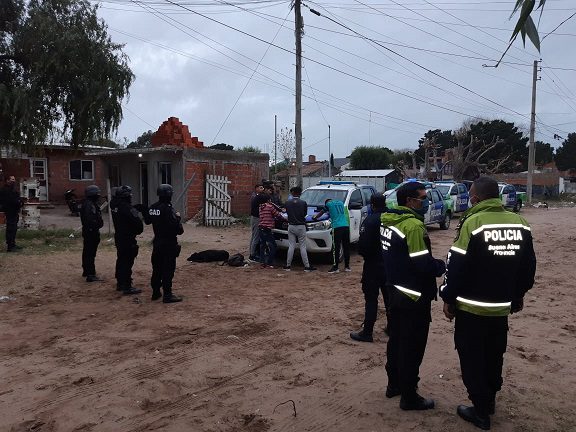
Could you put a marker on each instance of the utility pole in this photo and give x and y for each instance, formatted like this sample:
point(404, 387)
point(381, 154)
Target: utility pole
point(275, 145)
point(329, 155)
point(531, 152)
point(299, 29)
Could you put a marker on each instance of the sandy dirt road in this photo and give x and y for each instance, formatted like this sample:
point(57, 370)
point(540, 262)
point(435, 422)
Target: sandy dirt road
point(79, 357)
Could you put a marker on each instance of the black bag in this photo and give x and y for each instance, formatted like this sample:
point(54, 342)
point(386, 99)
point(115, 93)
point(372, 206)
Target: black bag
point(236, 260)
point(209, 255)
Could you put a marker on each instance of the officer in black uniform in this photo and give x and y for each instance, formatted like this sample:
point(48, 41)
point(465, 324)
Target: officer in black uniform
point(127, 225)
point(11, 205)
point(373, 272)
point(167, 226)
point(91, 223)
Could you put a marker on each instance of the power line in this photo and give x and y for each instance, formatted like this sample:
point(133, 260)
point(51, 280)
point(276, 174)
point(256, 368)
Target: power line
point(558, 26)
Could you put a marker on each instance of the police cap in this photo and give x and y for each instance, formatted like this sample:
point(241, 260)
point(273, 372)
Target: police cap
point(92, 191)
point(124, 192)
point(165, 190)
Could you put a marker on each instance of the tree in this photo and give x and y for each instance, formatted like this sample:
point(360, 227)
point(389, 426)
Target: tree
point(525, 25)
point(566, 154)
point(365, 157)
point(60, 73)
point(250, 149)
point(286, 144)
point(143, 141)
point(544, 153)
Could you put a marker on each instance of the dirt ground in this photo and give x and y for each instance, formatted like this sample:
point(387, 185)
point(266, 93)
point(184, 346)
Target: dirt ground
point(250, 348)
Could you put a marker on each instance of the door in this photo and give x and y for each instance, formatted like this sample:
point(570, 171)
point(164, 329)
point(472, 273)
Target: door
point(436, 206)
point(463, 197)
point(355, 205)
point(144, 183)
point(367, 193)
point(39, 171)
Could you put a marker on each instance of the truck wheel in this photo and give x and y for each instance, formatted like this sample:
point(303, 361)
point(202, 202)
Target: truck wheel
point(517, 206)
point(445, 224)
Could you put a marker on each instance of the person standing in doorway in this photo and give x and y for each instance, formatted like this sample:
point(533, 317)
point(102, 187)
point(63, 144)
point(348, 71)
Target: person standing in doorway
point(11, 205)
point(91, 218)
point(297, 211)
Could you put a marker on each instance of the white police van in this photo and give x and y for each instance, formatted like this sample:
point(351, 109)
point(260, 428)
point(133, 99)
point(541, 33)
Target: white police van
point(356, 197)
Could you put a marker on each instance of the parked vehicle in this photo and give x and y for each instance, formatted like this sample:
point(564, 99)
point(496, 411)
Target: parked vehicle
point(438, 212)
point(511, 199)
point(356, 197)
point(72, 202)
point(455, 194)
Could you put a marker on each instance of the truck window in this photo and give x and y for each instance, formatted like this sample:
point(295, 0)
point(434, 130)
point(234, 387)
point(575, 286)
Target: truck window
point(356, 197)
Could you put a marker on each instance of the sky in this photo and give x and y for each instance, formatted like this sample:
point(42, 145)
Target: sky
point(379, 72)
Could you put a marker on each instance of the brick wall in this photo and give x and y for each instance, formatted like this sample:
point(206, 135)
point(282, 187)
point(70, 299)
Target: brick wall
point(19, 168)
point(242, 170)
point(59, 174)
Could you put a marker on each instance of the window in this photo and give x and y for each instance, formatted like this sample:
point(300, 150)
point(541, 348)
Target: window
point(81, 170)
point(367, 193)
point(317, 197)
point(356, 197)
point(115, 177)
point(462, 189)
point(166, 173)
point(39, 169)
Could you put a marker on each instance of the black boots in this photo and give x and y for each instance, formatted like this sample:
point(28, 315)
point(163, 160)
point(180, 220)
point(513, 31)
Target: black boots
point(156, 295)
point(416, 403)
point(362, 336)
point(471, 415)
point(93, 278)
point(172, 299)
point(392, 392)
point(131, 291)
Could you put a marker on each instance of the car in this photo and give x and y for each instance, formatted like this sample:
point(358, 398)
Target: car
point(356, 197)
point(455, 194)
point(438, 212)
point(511, 199)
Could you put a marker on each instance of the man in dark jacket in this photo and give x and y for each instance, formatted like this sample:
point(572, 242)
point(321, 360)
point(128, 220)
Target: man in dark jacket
point(411, 273)
point(258, 198)
point(11, 205)
point(91, 218)
point(167, 226)
point(373, 272)
point(127, 225)
point(491, 266)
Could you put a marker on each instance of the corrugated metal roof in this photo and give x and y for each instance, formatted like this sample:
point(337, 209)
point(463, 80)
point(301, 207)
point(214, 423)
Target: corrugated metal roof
point(366, 173)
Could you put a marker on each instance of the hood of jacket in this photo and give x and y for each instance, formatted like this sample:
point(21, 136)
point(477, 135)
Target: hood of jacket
point(399, 214)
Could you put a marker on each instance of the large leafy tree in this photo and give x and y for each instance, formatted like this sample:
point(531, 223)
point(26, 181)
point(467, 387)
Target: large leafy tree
point(143, 141)
point(365, 157)
point(544, 153)
point(566, 154)
point(60, 73)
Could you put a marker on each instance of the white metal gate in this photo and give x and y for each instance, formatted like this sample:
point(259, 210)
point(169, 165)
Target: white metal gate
point(217, 208)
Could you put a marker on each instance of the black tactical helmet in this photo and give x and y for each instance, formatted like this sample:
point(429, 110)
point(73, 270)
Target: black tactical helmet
point(165, 190)
point(378, 200)
point(124, 192)
point(92, 191)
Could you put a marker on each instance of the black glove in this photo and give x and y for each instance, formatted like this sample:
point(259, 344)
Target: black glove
point(517, 305)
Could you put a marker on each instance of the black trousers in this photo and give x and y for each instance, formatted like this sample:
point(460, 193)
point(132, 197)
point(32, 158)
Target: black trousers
point(408, 335)
point(91, 242)
point(373, 283)
point(341, 238)
point(481, 343)
point(11, 229)
point(126, 253)
point(163, 267)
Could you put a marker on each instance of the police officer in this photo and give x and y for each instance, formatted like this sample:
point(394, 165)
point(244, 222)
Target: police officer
point(411, 273)
point(167, 225)
point(373, 272)
point(91, 218)
point(127, 225)
point(491, 266)
point(11, 205)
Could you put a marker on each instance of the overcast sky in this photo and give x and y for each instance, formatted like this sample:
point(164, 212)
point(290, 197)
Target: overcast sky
point(193, 68)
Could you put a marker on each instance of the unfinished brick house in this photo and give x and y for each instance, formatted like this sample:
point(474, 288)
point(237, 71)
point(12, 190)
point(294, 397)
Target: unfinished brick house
point(174, 158)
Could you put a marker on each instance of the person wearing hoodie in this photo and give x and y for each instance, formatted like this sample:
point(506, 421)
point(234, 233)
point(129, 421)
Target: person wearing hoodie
point(411, 273)
point(491, 266)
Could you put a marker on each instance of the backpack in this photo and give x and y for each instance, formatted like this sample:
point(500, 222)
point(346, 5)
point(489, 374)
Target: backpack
point(236, 260)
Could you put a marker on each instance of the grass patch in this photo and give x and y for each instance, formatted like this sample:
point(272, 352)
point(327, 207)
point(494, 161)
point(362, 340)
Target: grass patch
point(49, 240)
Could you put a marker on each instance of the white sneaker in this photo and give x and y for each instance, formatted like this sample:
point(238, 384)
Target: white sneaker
point(347, 269)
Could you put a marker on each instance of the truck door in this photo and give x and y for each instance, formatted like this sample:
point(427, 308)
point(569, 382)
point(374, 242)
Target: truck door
point(355, 206)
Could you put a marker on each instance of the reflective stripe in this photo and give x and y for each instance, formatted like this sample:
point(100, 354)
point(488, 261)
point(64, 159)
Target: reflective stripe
point(442, 287)
point(415, 254)
point(414, 295)
point(397, 231)
point(457, 249)
point(489, 226)
point(483, 308)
